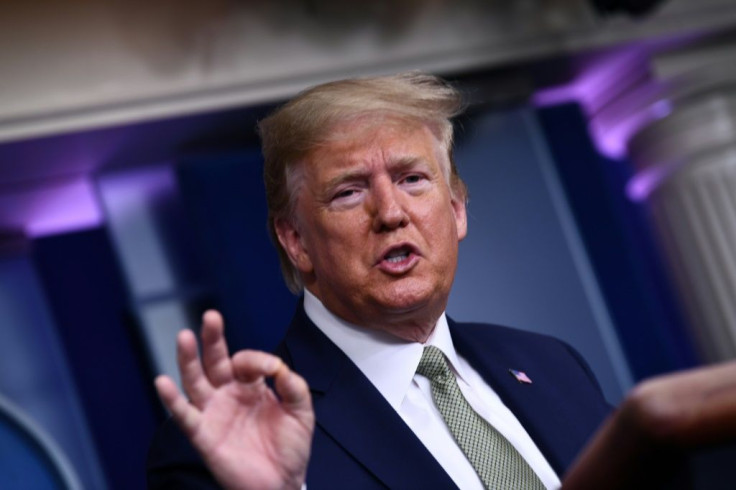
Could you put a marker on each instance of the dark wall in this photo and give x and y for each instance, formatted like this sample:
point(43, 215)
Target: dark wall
point(225, 200)
point(88, 303)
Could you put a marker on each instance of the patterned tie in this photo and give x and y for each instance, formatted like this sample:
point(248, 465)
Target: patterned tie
point(496, 461)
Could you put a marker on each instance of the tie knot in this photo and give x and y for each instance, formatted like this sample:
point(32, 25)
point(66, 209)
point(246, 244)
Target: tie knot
point(433, 364)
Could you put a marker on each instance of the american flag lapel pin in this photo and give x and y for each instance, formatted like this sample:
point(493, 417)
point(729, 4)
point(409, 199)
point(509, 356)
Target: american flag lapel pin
point(520, 376)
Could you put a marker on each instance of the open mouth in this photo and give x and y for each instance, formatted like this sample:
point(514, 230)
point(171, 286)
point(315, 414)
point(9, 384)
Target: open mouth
point(397, 255)
point(399, 259)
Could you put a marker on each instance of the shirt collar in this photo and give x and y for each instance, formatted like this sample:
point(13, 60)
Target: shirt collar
point(387, 361)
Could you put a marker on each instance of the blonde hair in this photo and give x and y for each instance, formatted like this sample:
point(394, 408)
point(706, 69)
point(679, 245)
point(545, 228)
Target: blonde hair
point(290, 133)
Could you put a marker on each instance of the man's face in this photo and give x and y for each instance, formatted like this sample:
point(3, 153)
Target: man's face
point(377, 228)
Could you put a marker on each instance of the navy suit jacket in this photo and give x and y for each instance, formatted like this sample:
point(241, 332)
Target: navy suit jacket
point(360, 442)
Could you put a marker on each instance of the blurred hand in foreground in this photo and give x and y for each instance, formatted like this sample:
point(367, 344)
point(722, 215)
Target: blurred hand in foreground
point(663, 420)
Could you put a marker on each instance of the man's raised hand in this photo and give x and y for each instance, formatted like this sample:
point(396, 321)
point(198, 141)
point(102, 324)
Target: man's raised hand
point(249, 437)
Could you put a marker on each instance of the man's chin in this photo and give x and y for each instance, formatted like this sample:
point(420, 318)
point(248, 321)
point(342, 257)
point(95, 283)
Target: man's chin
point(403, 304)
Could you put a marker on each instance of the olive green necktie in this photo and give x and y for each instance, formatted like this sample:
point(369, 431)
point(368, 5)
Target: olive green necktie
point(496, 461)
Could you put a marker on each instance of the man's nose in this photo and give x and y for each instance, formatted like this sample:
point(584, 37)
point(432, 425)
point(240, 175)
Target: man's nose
point(388, 207)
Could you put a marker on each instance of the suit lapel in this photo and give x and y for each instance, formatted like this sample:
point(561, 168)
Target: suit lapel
point(356, 416)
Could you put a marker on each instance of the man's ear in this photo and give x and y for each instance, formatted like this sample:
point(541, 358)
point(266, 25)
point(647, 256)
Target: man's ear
point(461, 217)
point(292, 242)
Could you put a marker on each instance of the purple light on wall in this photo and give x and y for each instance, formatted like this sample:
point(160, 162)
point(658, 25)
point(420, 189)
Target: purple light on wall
point(561, 94)
point(617, 95)
point(644, 183)
point(612, 134)
point(599, 80)
point(60, 208)
point(131, 188)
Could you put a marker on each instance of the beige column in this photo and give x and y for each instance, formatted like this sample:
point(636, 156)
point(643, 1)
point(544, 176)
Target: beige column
point(687, 161)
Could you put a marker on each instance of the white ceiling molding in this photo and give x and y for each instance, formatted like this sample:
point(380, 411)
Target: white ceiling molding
point(72, 65)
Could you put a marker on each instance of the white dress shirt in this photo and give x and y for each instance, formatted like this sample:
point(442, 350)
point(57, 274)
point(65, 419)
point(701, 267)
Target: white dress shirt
point(390, 364)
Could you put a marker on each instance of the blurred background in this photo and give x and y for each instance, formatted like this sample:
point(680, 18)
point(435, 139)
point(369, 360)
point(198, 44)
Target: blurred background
point(599, 149)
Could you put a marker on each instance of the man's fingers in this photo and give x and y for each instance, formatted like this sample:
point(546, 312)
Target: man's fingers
point(292, 389)
point(215, 357)
point(185, 414)
point(193, 379)
point(687, 408)
point(250, 366)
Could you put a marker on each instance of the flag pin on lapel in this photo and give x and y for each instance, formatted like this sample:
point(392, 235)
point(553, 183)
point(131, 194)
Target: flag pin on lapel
point(520, 376)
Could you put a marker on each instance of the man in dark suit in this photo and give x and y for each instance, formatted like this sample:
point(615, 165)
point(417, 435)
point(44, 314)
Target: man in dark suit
point(367, 210)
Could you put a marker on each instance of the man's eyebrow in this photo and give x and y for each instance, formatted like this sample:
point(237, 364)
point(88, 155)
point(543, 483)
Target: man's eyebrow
point(348, 176)
point(406, 163)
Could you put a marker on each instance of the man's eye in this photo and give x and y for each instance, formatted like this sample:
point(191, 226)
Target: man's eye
point(412, 179)
point(345, 193)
